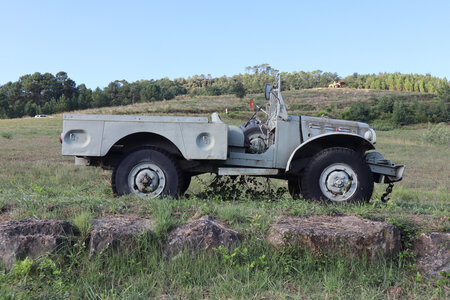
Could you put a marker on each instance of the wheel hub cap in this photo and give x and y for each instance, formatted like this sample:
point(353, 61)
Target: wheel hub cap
point(338, 182)
point(146, 180)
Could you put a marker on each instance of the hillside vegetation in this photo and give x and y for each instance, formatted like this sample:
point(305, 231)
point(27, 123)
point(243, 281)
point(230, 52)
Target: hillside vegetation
point(383, 109)
point(36, 181)
point(47, 94)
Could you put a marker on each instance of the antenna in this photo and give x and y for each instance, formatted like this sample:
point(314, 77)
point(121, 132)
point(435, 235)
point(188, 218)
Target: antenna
point(279, 85)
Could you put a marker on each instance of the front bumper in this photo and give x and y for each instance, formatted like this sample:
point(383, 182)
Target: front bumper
point(384, 168)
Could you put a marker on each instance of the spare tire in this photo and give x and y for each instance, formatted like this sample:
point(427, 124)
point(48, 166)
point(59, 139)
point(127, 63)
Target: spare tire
point(254, 137)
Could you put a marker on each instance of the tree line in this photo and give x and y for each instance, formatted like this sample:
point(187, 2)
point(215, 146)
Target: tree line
point(393, 111)
point(47, 93)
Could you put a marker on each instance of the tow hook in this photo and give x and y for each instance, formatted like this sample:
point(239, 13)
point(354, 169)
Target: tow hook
point(388, 191)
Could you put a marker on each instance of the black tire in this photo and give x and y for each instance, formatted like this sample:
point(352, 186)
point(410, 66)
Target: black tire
point(337, 175)
point(145, 169)
point(294, 187)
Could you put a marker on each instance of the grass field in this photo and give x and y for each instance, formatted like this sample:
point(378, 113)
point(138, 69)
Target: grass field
point(36, 181)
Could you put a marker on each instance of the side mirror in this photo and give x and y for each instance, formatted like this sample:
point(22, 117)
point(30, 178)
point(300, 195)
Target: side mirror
point(267, 91)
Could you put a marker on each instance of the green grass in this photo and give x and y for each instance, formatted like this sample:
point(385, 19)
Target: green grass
point(253, 272)
point(6, 135)
point(36, 181)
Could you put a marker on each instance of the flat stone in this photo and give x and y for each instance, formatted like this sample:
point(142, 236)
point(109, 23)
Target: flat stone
point(348, 235)
point(117, 232)
point(433, 253)
point(202, 234)
point(32, 238)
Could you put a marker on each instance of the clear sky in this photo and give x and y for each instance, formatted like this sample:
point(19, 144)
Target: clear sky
point(97, 42)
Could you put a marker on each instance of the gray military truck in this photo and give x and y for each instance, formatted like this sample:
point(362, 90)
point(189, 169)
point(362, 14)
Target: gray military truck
point(321, 158)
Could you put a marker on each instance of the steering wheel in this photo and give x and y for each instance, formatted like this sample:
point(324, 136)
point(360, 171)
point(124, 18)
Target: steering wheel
point(255, 117)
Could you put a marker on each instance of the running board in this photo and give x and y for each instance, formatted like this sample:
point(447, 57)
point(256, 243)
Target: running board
point(248, 171)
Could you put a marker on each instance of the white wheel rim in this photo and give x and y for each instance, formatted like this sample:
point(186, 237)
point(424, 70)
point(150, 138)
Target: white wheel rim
point(338, 182)
point(146, 180)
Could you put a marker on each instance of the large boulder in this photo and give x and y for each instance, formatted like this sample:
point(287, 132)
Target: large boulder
point(117, 231)
point(32, 238)
point(433, 253)
point(202, 234)
point(349, 235)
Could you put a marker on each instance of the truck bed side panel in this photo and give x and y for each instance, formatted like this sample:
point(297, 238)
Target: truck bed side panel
point(205, 141)
point(194, 140)
point(82, 138)
point(114, 131)
point(94, 135)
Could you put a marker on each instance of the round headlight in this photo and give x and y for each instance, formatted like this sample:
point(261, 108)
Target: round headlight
point(371, 135)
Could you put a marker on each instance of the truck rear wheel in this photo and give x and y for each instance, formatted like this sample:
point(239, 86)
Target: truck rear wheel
point(148, 173)
point(337, 175)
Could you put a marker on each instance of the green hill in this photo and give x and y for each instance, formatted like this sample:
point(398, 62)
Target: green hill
point(353, 104)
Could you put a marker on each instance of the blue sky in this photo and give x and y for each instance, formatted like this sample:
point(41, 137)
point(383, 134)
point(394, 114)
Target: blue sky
point(97, 42)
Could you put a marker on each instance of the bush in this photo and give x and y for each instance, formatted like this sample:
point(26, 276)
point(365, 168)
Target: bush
point(401, 114)
point(441, 112)
point(383, 125)
point(443, 93)
point(437, 134)
point(420, 111)
point(213, 91)
point(360, 111)
point(232, 188)
point(386, 104)
point(357, 111)
point(322, 114)
point(239, 90)
point(6, 135)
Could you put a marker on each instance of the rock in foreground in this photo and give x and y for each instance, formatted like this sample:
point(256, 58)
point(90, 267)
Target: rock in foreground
point(32, 238)
point(117, 231)
point(433, 253)
point(201, 234)
point(347, 235)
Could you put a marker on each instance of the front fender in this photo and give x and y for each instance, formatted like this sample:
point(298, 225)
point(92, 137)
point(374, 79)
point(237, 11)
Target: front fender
point(328, 140)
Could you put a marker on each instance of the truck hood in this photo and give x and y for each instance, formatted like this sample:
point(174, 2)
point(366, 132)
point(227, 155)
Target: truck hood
point(314, 126)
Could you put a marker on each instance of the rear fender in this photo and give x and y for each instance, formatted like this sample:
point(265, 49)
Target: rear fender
point(193, 140)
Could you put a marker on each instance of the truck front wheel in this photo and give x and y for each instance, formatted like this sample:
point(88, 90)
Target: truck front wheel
point(148, 173)
point(337, 175)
